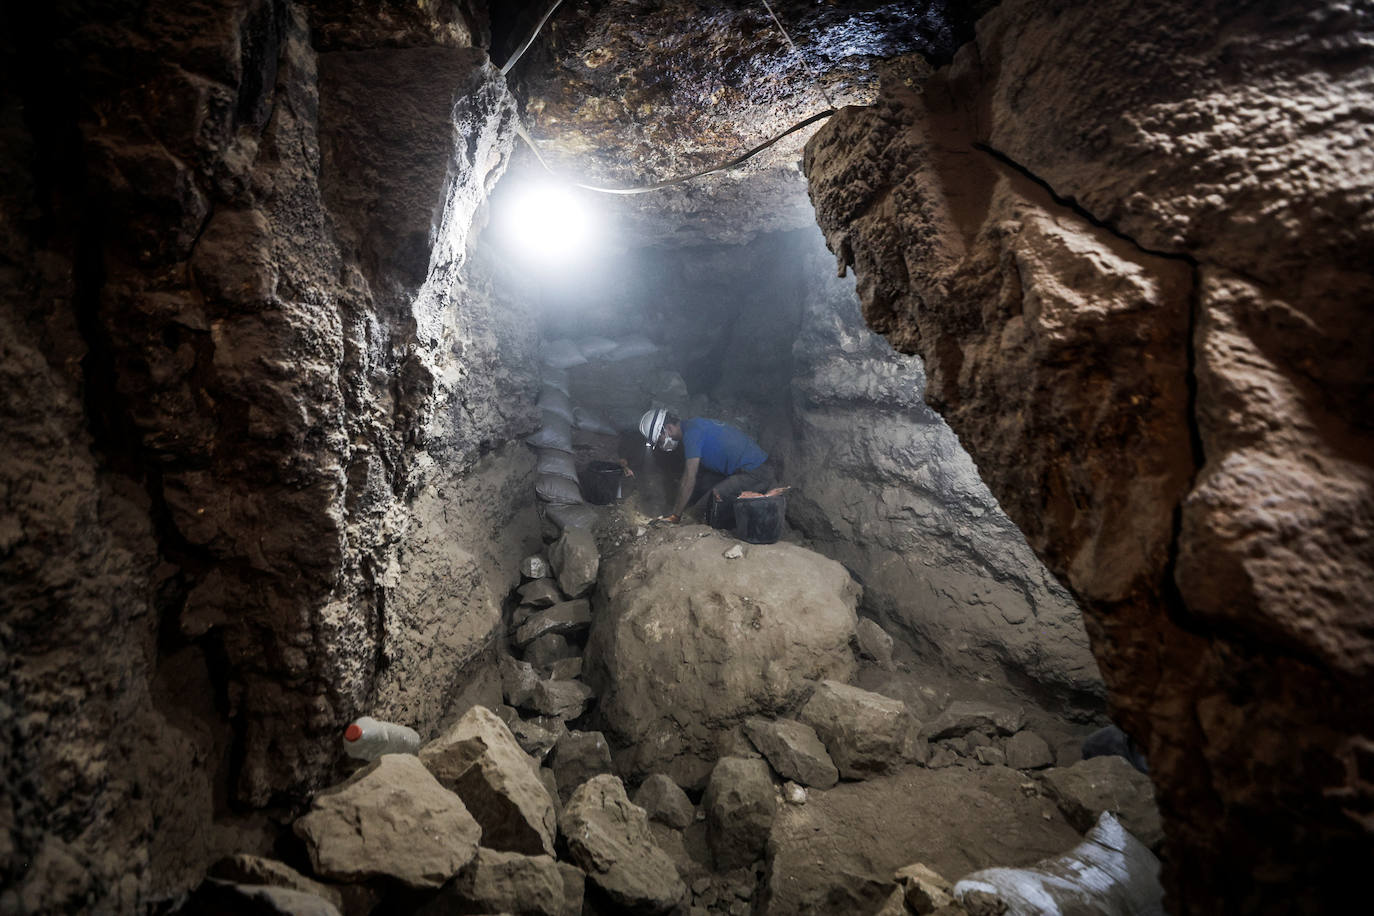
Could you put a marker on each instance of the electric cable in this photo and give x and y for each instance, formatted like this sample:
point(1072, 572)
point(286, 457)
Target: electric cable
point(795, 50)
point(520, 51)
point(668, 182)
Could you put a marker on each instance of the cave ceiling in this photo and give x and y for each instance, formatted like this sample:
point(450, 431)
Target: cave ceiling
point(624, 93)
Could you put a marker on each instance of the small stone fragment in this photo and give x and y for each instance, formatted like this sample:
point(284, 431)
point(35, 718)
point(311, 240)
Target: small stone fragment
point(540, 593)
point(794, 794)
point(538, 735)
point(218, 896)
point(1086, 789)
point(664, 801)
point(991, 755)
point(502, 882)
point(734, 553)
point(518, 680)
point(740, 805)
point(1028, 751)
point(565, 669)
point(874, 643)
point(865, 733)
point(564, 618)
point(964, 716)
point(565, 699)
point(257, 870)
point(925, 890)
point(574, 889)
point(794, 750)
point(941, 757)
point(578, 757)
point(534, 567)
point(548, 649)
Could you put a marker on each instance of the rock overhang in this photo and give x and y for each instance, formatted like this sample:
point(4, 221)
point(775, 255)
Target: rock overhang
point(626, 93)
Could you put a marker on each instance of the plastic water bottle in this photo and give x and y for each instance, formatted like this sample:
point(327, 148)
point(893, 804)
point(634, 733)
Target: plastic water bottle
point(368, 738)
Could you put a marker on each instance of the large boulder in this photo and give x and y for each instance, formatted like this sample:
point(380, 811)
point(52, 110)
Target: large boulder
point(689, 644)
point(392, 819)
point(740, 804)
point(866, 733)
point(480, 759)
point(609, 839)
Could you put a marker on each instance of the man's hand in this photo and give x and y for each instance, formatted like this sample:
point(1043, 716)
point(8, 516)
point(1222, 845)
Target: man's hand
point(667, 520)
point(625, 467)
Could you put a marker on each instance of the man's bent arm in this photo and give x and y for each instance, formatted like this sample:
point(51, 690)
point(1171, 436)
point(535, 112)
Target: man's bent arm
point(684, 490)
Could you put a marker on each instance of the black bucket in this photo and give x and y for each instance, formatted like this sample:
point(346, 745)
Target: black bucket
point(601, 482)
point(759, 521)
point(720, 513)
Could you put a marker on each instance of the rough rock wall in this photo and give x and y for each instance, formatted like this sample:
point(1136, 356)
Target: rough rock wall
point(884, 486)
point(254, 409)
point(1132, 244)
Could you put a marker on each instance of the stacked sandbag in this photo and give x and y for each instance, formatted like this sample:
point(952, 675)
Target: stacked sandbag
point(562, 501)
point(618, 379)
point(555, 483)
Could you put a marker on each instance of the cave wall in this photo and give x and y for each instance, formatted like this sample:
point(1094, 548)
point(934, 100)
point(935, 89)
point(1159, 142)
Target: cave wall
point(258, 403)
point(766, 336)
point(1131, 244)
point(884, 486)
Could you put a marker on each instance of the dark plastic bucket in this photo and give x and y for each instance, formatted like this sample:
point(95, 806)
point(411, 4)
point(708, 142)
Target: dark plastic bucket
point(720, 513)
point(759, 521)
point(601, 482)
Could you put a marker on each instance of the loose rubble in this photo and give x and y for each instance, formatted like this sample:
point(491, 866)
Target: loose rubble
point(818, 794)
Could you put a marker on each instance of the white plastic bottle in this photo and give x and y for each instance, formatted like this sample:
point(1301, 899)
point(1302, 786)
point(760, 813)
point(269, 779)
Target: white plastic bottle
point(368, 738)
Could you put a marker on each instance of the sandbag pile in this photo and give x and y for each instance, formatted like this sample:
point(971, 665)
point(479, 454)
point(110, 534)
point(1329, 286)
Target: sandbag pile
point(556, 484)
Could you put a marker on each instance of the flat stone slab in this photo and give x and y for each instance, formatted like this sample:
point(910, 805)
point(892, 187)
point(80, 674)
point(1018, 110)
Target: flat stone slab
point(794, 750)
point(540, 593)
point(964, 716)
point(564, 618)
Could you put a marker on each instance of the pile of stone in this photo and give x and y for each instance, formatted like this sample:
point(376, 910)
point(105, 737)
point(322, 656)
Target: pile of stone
point(541, 680)
point(727, 701)
point(467, 826)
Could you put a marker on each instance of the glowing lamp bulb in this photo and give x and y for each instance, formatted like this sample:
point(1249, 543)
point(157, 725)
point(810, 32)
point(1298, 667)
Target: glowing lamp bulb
point(547, 221)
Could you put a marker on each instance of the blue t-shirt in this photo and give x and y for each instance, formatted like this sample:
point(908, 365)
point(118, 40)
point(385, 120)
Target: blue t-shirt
point(720, 446)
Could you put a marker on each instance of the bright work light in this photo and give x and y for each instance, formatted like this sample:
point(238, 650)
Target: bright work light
point(546, 221)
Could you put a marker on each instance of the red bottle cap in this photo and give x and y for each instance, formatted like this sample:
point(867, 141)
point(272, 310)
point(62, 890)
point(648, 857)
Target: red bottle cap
point(353, 732)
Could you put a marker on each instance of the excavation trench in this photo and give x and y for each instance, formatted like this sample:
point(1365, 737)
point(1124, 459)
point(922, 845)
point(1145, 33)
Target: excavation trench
point(298, 421)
